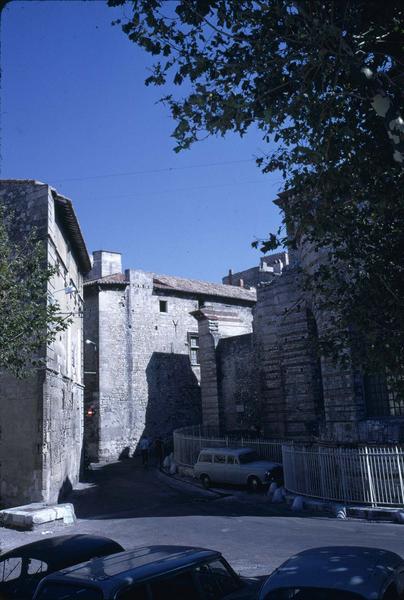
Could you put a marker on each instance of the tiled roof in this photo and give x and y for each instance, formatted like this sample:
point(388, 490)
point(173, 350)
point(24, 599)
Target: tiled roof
point(195, 286)
point(180, 284)
point(115, 279)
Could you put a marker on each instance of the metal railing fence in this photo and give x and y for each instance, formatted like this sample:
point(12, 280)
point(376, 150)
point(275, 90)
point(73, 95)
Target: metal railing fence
point(365, 475)
point(189, 441)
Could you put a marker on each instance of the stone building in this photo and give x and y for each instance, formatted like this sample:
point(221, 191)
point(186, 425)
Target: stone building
point(272, 379)
point(142, 368)
point(270, 266)
point(41, 418)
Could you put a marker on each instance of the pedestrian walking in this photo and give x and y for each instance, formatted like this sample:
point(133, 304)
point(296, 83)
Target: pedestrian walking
point(144, 446)
point(159, 446)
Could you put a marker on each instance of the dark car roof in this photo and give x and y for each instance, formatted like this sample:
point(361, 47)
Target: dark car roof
point(143, 563)
point(351, 568)
point(64, 550)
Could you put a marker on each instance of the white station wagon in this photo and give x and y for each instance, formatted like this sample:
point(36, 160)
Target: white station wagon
point(238, 466)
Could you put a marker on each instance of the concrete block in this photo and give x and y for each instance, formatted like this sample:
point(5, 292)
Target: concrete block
point(30, 516)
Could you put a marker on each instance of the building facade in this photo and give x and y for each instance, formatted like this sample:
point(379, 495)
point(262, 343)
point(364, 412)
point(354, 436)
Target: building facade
point(273, 380)
point(41, 417)
point(142, 362)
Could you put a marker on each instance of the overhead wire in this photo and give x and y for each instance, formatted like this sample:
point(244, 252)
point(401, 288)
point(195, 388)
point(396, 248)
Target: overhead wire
point(147, 171)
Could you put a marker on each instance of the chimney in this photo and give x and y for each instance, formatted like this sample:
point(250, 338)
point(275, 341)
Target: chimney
point(230, 277)
point(105, 263)
point(241, 282)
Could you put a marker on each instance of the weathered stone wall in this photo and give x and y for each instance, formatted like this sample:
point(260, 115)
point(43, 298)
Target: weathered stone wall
point(41, 418)
point(214, 324)
point(147, 384)
point(287, 374)
point(237, 384)
point(115, 409)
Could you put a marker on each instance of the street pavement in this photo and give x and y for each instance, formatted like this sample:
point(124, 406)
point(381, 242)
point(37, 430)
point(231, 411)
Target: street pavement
point(142, 506)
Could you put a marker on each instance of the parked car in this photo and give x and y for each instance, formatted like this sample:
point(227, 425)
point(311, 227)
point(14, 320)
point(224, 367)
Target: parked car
point(150, 573)
point(23, 568)
point(238, 466)
point(337, 573)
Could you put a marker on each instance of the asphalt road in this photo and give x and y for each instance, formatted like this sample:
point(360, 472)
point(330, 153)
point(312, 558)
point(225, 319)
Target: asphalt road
point(138, 506)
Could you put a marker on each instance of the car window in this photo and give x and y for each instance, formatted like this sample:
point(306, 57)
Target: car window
point(311, 594)
point(230, 460)
point(391, 593)
point(227, 581)
point(36, 566)
point(10, 568)
point(134, 592)
point(205, 458)
point(61, 591)
point(207, 582)
point(248, 457)
point(216, 580)
point(219, 458)
point(178, 586)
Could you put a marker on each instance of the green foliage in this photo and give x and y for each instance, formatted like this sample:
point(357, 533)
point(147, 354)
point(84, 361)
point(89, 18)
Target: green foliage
point(28, 320)
point(323, 82)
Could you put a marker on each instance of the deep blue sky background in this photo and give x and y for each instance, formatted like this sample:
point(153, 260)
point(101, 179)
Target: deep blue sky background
point(76, 114)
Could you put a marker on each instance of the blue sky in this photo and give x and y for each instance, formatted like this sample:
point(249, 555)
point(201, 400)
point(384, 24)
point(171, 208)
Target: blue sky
point(75, 113)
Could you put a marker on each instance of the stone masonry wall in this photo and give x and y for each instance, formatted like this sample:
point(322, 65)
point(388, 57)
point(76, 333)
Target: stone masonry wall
point(288, 388)
point(238, 402)
point(216, 323)
point(41, 417)
point(147, 384)
point(21, 402)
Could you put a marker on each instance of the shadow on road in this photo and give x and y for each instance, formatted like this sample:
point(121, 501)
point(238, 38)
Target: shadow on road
point(126, 489)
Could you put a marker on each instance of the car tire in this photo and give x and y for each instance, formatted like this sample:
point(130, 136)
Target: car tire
point(253, 483)
point(206, 482)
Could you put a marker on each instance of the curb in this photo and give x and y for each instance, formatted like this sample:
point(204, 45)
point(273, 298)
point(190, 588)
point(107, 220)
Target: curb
point(342, 511)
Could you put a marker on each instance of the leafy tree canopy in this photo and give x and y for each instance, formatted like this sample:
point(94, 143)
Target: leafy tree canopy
point(322, 80)
point(28, 320)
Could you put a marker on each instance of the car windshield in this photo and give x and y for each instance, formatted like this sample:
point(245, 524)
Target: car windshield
point(305, 593)
point(248, 457)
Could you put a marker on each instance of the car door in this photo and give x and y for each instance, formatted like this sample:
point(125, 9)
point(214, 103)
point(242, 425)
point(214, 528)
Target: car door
point(219, 468)
point(232, 470)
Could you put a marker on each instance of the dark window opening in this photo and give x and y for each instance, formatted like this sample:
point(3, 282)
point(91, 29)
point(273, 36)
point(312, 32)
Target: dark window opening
point(163, 306)
point(381, 399)
point(317, 377)
point(193, 342)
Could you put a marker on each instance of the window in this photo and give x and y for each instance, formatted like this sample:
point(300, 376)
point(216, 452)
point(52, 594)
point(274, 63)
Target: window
point(226, 580)
point(36, 566)
point(177, 586)
point(217, 580)
point(193, 342)
point(391, 593)
point(134, 592)
point(163, 306)
point(207, 458)
point(219, 458)
point(381, 398)
point(10, 568)
point(230, 460)
point(248, 457)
